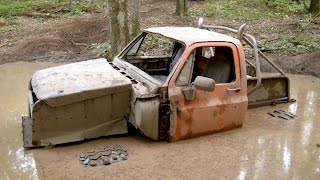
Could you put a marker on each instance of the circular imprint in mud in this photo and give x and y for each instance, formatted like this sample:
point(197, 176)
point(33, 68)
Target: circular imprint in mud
point(103, 156)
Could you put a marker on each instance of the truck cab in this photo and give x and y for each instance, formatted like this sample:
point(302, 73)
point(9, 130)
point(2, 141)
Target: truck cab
point(189, 82)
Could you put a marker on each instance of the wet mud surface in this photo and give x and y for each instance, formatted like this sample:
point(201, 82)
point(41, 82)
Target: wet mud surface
point(264, 148)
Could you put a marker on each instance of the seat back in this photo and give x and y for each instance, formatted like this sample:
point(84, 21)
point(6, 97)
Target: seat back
point(220, 69)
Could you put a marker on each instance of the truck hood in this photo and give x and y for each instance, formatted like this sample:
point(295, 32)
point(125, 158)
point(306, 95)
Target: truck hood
point(66, 84)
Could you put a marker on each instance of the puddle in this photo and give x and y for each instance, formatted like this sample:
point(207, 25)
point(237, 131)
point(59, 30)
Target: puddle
point(264, 148)
point(15, 163)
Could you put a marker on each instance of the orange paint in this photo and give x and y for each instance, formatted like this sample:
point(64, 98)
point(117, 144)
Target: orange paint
point(213, 111)
point(221, 122)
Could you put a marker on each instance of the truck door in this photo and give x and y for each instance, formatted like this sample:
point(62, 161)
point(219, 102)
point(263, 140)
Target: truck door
point(207, 112)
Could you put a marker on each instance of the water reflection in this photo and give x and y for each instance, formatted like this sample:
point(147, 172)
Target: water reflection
point(286, 158)
point(14, 162)
point(293, 108)
point(286, 149)
point(309, 117)
point(242, 175)
point(25, 163)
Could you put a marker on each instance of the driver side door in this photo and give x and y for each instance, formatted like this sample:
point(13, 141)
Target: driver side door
point(207, 112)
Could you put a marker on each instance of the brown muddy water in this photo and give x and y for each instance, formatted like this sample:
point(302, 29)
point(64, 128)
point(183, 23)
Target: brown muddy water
point(264, 148)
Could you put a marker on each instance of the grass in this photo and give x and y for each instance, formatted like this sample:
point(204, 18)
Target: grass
point(286, 11)
point(232, 10)
point(9, 8)
point(291, 44)
point(248, 10)
point(43, 9)
point(102, 50)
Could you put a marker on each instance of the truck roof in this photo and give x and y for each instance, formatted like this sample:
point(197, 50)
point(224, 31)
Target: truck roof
point(191, 35)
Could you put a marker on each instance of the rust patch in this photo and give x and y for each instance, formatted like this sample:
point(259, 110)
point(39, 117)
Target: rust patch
point(215, 113)
point(220, 122)
point(178, 127)
point(226, 128)
point(189, 121)
point(222, 109)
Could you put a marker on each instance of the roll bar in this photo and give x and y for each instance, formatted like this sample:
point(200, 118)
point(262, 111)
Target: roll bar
point(252, 42)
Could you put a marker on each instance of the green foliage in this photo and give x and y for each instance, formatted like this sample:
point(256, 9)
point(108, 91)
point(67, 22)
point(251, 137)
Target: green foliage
point(233, 10)
point(248, 10)
point(102, 50)
point(285, 6)
point(9, 8)
point(286, 11)
point(155, 44)
point(294, 44)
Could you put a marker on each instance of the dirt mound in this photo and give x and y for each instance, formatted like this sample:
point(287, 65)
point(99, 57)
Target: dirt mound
point(308, 63)
point(42, 46)
point(85, 30)
point(65, 41)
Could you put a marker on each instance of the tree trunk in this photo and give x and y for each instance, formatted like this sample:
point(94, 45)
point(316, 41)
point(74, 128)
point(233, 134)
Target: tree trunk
point(135, 17)
point(70, 5)
point(181, 7)
point(314, 7)
point(119, 29)
point(124, 26)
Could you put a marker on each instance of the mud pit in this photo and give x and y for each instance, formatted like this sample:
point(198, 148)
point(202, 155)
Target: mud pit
point(265, 147)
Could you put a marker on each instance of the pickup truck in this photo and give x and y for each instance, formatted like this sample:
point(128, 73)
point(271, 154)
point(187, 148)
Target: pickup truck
point(170, 83)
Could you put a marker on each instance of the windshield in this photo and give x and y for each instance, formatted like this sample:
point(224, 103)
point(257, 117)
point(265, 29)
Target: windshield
point(154, 54)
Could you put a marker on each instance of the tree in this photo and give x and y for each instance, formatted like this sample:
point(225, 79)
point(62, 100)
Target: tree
point(181, 7)
point(314, 7)
point(135, 17)
point(119, 23)
point(119, 29)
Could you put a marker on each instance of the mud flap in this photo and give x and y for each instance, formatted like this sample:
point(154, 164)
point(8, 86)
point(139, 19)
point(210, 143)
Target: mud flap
point(27, 132)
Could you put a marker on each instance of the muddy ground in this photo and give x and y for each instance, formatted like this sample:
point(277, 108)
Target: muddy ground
point(69, 39)
point(264, 148)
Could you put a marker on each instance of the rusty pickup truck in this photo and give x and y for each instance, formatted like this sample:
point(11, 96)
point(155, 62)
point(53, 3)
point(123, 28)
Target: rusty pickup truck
point(170, 83)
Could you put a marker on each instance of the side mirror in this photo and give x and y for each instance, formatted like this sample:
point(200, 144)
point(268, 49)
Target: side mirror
point(201, 83)
point(204, 83)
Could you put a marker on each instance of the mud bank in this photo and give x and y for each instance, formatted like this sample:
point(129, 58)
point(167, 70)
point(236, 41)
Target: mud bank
point(264, 148)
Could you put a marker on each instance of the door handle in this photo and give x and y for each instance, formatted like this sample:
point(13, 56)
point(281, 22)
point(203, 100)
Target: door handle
point(233, 89)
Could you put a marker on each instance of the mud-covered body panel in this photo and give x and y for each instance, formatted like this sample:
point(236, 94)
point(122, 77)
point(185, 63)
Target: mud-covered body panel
point(146, 99)
point(76, 82)
point(77, 101)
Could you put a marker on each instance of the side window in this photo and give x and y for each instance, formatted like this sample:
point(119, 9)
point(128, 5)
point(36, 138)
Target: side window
point(219, 66)
point(184, 77)
point(155, 45)
point(216, 63)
